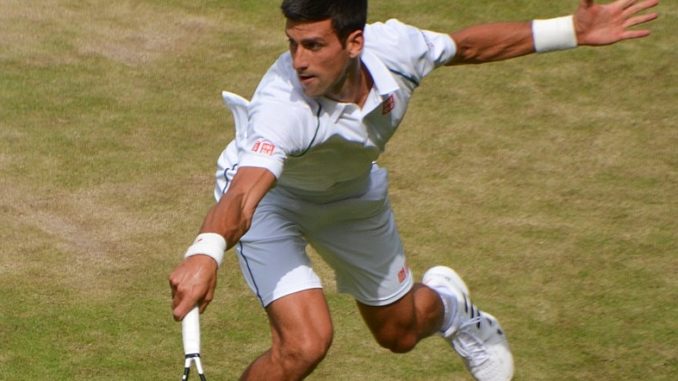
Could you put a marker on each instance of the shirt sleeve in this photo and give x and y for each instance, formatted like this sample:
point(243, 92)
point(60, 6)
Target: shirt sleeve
point(410, 50)
point(280, 122)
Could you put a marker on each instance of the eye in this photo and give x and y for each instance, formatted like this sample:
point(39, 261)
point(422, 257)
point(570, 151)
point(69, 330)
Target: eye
point(314, 46)
point(291, 43)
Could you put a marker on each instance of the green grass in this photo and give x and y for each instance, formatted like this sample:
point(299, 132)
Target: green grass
point(550, 182)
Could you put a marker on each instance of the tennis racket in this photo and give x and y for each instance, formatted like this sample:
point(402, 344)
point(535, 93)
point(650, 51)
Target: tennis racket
point(190, 330)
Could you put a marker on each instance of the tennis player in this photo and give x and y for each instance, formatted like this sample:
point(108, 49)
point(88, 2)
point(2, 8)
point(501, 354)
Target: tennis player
point(304, 172)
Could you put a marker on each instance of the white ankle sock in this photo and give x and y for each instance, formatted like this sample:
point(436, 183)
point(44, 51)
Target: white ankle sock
point(450, 307)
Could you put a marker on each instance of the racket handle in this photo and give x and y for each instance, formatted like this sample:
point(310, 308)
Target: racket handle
point(190, 330)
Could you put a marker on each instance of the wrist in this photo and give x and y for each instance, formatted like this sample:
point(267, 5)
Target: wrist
point(211, 244)
point(554, 34)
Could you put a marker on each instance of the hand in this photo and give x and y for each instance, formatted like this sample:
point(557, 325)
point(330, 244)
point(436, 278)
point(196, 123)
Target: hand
point(193, 282)
point(609, 23)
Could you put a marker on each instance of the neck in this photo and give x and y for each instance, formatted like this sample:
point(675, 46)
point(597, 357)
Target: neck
point(354, 86)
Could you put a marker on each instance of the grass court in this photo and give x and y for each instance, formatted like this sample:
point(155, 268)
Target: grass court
point(549, 182)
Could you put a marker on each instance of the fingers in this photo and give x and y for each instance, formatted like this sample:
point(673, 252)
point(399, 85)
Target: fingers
point(629, 34)
point(626, 3)
point(192, 282)
point(606, 24)
point(183, 303)
point(632, 20)
point(204, 302)
point(203, 305)
point(182, 300)
point(635, 34)
point(182, 308)
point(636, 7)
point(639, 20)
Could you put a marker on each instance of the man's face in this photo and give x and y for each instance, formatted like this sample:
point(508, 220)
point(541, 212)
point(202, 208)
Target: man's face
point(320, 60)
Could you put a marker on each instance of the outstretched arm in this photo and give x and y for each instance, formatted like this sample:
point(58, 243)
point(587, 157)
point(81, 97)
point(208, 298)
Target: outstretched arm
point(193, 281)
point(591, 24)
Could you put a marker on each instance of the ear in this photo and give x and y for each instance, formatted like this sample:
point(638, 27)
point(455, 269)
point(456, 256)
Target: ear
point(355, 43)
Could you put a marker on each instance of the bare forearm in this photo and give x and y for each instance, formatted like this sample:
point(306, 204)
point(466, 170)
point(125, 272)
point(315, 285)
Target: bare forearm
point(492, 42)
point(194, 280)
point(231, 217)
point(592, 24)
point(228, 218)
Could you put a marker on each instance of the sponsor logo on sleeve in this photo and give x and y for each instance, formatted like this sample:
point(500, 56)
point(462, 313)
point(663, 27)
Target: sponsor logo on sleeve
point(388, 105)
point(263, 147)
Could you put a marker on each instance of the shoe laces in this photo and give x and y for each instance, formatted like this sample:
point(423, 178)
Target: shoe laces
point(467, 340)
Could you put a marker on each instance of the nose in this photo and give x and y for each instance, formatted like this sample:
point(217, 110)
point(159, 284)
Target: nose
point(299, 59)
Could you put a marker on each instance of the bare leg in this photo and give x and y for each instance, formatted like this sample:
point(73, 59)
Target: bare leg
point(301, 330)
point(400, 326)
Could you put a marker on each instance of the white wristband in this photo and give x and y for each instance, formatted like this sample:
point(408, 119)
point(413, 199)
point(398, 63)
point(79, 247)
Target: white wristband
point(554, 34)
point(210, 244)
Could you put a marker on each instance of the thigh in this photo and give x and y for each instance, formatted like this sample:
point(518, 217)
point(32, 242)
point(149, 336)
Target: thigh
point(301, 319)
point(363, 246)
point(367, 257)
point(272, 255)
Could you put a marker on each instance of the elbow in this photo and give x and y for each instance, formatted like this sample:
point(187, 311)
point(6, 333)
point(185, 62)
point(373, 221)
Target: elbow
point(469, 53)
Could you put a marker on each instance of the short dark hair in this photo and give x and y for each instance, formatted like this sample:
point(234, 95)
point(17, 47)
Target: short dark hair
point(346, 15)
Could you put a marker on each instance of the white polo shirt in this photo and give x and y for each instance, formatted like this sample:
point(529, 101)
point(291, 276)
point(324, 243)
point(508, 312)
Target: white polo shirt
point(317, 145)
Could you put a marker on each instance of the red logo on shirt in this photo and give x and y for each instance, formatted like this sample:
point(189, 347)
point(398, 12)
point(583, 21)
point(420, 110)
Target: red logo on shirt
point(388, 106)
point(263, 147)
point(402, 274)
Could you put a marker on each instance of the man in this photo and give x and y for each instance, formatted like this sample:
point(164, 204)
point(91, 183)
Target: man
point(304, 173)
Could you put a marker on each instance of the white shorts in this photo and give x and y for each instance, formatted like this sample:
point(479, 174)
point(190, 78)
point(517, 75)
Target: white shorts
point(356, 236)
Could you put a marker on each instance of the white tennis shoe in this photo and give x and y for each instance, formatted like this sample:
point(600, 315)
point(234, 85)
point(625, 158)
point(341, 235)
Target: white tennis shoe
point(475, 335)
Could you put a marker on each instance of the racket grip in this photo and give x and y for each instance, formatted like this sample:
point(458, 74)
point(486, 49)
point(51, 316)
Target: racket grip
point(190, 330)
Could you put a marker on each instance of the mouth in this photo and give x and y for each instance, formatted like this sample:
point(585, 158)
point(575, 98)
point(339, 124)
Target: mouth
point(305, 78)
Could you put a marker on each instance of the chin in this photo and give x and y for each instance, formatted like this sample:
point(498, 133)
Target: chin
point(313, 93)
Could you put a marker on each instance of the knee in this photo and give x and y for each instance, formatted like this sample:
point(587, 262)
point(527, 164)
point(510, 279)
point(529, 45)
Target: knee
point(397, 341)
point(304, 353)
